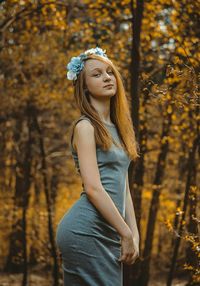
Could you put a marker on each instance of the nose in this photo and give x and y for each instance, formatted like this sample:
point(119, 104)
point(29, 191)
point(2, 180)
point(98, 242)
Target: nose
point(106, 77)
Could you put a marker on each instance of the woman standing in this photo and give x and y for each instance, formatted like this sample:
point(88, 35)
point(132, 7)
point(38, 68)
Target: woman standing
point(99, 232)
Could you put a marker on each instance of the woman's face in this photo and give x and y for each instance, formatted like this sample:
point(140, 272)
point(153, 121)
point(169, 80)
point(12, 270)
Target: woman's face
point(100, 79)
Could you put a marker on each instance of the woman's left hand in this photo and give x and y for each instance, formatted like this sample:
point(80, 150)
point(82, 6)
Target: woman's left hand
point(136, 241)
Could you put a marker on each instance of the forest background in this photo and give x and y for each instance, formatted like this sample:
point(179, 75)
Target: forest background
point(155, 45)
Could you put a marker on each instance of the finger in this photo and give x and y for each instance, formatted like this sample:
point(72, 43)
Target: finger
point(123, 258)
point(126, 258)
point(136, 255)
point(134, 258)
point(131, 258)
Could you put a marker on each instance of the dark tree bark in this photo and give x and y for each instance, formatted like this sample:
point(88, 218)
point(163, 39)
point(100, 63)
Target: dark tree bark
point(137, 15)
point(53, 192)
point(182, 165)
point(145, 265)
point(34, 250)
point(48, 201)
point(176, 217)
point(160, 243)
point(17, 251)
point(191, 161)
point(17, 258)
point(191, 181)
point(14, 263)
point(3, 131)
point(135, 172)
point(27, 183)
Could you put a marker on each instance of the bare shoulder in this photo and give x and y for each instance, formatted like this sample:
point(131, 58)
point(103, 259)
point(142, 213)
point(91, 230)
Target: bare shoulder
point(84, 124)
point(86, 151)
point(83, 132)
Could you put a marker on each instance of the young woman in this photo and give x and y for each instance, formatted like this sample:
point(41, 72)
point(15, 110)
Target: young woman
point(99, 231)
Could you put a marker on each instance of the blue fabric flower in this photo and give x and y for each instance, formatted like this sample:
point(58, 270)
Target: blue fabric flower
point(76, 64)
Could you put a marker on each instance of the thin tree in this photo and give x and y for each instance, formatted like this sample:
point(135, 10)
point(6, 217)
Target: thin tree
point(160, 169)
point(189, 182)
point(17, 257)
point(135, 172)
point(48, 200)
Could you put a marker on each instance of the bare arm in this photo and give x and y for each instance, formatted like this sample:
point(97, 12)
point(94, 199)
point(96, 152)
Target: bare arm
point(85, 145)
point(130, 213)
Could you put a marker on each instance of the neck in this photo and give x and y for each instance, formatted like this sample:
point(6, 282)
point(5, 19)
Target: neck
point(103, 108)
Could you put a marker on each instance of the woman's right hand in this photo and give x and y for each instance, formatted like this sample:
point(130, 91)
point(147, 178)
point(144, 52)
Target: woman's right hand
point(129, 250)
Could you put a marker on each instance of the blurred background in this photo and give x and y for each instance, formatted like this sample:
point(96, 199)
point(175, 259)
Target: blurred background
point(155, 45)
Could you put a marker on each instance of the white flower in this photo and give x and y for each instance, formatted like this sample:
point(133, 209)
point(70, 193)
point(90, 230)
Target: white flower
point(89, 52)
point(71, 75)
point(97, 51)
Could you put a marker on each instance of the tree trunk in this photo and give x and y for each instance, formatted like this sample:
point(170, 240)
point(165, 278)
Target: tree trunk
point(176, 217)
point(191, 161)
point(145, 265)
point(34, 248)
point(135, 172)
point(48, 202)
point(53, 188)
point(17, 258)
point(183, 168)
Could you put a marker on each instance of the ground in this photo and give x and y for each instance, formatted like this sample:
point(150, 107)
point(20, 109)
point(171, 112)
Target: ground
point(44, 280)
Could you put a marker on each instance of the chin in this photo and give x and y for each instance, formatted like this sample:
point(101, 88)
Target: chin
point(108, 94)
point(112, 94)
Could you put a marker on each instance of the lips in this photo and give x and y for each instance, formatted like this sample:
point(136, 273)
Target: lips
point(108, 85)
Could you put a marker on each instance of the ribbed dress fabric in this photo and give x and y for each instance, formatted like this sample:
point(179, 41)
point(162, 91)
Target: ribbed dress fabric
point(89, 245)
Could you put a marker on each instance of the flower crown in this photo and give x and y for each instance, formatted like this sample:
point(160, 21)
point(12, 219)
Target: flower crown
point(76, 64)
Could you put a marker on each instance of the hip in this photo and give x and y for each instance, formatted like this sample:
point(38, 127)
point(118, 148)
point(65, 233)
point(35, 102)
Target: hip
point(84, 219)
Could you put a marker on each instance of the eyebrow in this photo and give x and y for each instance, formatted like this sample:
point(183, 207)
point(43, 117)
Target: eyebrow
point(100, 68)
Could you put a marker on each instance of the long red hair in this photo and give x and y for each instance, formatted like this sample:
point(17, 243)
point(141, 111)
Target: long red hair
point(119, 113)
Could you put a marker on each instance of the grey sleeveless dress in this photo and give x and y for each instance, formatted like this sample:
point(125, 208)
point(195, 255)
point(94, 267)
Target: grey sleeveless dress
point(89, 245)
